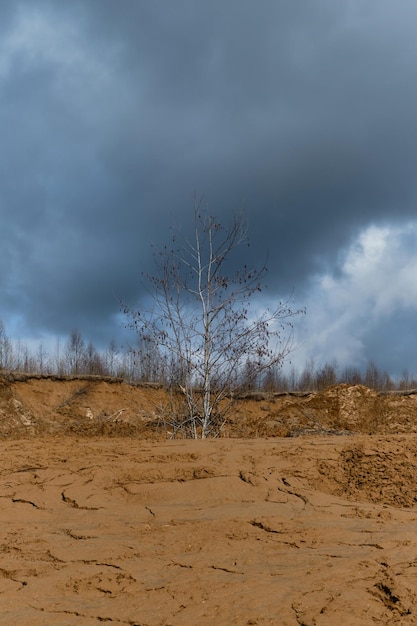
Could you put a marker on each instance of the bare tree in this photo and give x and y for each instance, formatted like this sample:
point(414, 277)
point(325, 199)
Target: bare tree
point(307, 379)
point(41, 361)
point(93, 363)
point(6, 349)
point(75, 352)
point(111, 358)
point(202, 325)
point(326, 376)
point(352, 376)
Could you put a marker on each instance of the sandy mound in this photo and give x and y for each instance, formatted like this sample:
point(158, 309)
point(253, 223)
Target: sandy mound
point(95, 406)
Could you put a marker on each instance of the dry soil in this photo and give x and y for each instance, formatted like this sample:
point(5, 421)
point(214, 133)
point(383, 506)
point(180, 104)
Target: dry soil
point(303, 513)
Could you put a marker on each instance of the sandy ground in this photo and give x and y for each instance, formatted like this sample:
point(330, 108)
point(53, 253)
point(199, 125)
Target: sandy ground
point(286, 531)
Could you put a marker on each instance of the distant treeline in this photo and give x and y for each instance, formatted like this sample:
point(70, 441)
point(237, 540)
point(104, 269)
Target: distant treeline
point(138, 364)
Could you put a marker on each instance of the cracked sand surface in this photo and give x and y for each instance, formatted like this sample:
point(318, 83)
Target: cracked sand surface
point(278, 531)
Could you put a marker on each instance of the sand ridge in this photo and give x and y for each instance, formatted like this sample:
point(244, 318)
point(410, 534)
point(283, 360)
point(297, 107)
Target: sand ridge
point(91, 406)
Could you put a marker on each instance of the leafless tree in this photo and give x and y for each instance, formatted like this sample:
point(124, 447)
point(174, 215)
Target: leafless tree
point(326, 376)
point(111, 358)
point(202, 323)
point(93, 362)
point(307, 379)
point(6, 349)
point(75, 352)
point(352, 376)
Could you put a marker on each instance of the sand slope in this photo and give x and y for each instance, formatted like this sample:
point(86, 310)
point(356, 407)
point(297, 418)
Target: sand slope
point(34, 405)
point(292, 531)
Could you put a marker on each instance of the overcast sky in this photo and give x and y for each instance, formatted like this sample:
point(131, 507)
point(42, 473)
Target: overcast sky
point(113, 113)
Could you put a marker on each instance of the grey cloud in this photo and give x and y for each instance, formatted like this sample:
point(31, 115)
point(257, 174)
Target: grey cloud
point(302, 114)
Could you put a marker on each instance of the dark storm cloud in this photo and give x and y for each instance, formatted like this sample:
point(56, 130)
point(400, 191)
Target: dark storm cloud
point(113, 113)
